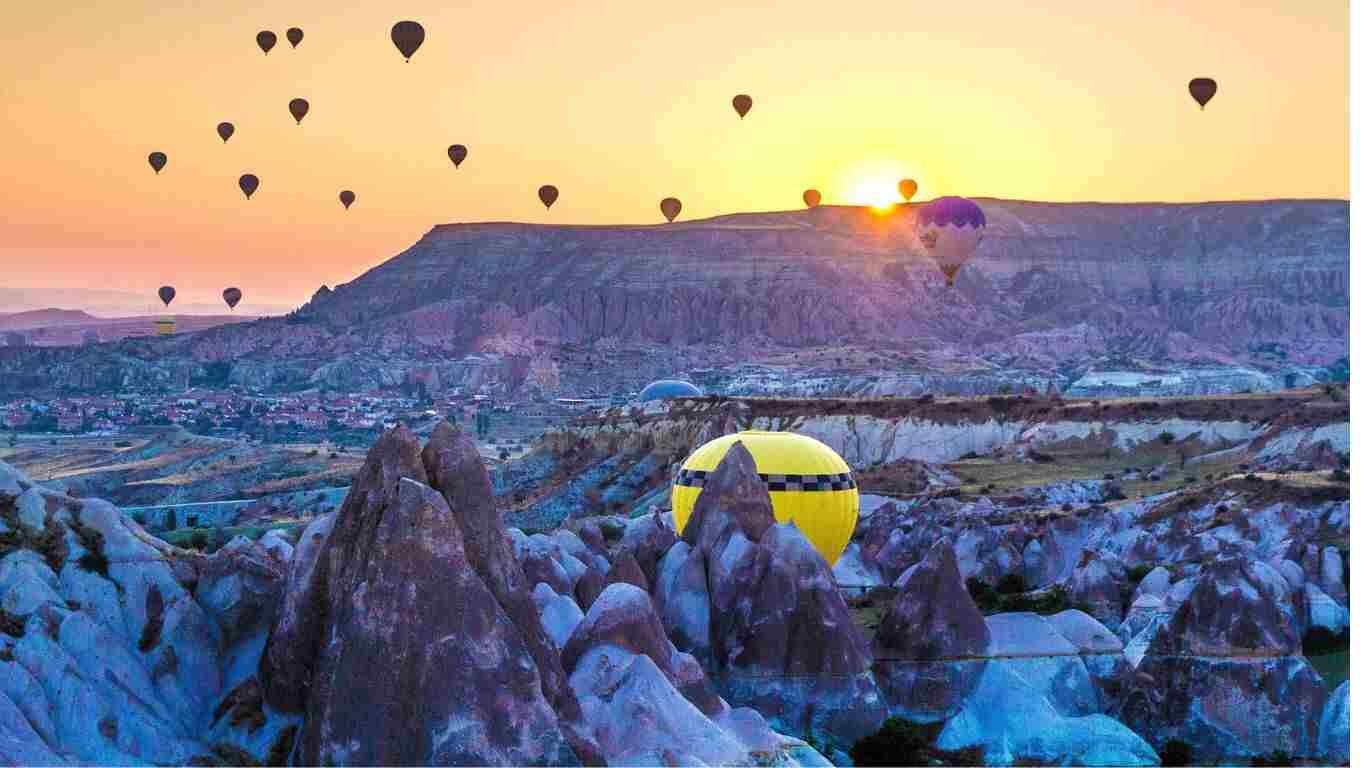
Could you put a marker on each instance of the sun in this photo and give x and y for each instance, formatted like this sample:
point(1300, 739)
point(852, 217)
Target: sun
point(877, 192)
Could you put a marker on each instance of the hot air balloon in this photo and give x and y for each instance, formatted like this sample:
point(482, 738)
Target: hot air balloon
point(248, 184)
point(907, 188)
point(548, 194)
point(266, 39)
point(742, 103)
point(298, 108)
point(809, 485)
point(1202, 90)
point(347, 197)
point(225, 131)
point(231, 296)
point(950, 229)
point(667, 389)
point(407, 37)
point(457, 153)
point(157, 160)
point(812, 198)
point(166, 293)
point(670, 207)
point(295, 36)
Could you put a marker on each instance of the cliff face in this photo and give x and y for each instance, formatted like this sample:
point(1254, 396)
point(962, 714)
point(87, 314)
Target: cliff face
point(1052, 286)
point(1049, 280)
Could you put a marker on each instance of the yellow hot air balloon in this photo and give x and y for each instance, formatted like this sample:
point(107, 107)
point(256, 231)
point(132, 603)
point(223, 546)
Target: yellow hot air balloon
point(808, 484)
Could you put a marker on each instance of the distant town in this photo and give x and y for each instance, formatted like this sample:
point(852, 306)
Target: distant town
point(311, 416)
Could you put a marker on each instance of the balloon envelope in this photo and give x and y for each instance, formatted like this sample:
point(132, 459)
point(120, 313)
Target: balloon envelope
point(248, 184)
point(950, 229)
point(225, 131)
point(298, 108)
point(742, 104)
point(1202, 90)
point(670, 207)
point(347, 197)
point(812, 198)
point(166, 293)
point(665, 389)
point(809, 485)
point(231, 296)
point(907, 188)
point(157, 160)
point(548, 194)
point(407, 37)
point(457, 153)
point(295, 36)
point(266, 39)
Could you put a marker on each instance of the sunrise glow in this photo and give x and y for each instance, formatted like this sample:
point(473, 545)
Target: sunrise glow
point(876, 193)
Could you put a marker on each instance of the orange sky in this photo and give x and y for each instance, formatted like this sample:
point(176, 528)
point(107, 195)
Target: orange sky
point(621, 104)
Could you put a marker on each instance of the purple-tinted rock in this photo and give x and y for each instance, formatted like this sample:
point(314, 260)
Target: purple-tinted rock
point(647, 538)
point(782, 639)
point(457, 472)
point(396, 589)
point(931, 642)
point(626, 569)
point(1224, 673)
point(624, 616)
point(589, 587)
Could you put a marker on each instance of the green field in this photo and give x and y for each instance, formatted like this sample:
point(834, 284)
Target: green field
point(1332, 666)
point(213, 538)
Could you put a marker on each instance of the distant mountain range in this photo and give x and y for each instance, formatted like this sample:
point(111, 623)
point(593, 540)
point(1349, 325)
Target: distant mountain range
point(116, 303)
point(68, 327)
point(1054, 286)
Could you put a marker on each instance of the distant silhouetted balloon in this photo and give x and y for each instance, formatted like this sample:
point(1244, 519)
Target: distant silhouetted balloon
point(1202, 90)
point(347, 197)
point(298, 108)
point(907, 188)
point(548, 194)
point(742, 103)
point(295, 36)
point(457, 153)
point(232, 296)
point(166, 293)
point(157, 160)
point(266, 39)
point(225, 131)
point(670, 207)
point(407, 37)
point(248, 184)
point(812, 198)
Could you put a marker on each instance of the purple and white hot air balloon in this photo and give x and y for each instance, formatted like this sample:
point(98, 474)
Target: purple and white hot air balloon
point(950, 229)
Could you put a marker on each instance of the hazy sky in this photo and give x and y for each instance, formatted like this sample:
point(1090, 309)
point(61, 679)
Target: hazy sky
point(620, 104)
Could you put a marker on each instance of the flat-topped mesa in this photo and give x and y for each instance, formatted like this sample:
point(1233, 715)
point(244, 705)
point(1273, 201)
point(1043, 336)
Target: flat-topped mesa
point(848, 275)
point(1050, 284)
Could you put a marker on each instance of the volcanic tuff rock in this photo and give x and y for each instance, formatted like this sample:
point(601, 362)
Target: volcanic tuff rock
point(649, 704)
point(1052, 282)
point(120, 649)
point(931, 642)
point(395, 580)
point(1225, 673)
point(1334, 729)
point(456, 470)
point(781, 637)
point(1273, 270)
